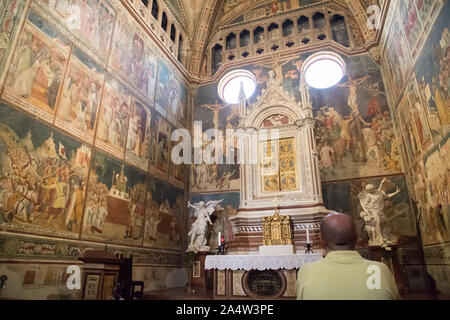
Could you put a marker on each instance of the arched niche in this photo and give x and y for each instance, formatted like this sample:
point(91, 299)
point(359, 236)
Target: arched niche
point(216, 58)
point(230, 41)
point(155, 9)
point(288, 27)
point(258, 35)
point(303, 24)
point(319, 20)
point(244, 38)
point(339, 30)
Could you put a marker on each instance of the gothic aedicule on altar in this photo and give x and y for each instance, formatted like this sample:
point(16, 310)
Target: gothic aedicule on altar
point(277, 230)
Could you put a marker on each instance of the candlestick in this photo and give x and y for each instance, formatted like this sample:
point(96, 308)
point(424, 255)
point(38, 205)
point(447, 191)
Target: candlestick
point(220, 238)
point(307, 236)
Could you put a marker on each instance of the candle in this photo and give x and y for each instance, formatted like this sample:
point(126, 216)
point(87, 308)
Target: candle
point(307, 236)
point(220, 238)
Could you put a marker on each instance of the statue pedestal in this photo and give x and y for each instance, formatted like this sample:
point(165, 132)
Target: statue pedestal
point(200, 278)
point(378, 254)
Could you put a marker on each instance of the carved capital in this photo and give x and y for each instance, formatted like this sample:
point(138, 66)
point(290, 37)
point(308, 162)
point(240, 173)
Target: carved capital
point(307, 122)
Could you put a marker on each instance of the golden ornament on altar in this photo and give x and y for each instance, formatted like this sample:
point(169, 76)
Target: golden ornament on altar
point(277, 230)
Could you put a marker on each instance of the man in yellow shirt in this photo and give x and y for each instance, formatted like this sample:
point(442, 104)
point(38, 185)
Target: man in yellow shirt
point(343, 274)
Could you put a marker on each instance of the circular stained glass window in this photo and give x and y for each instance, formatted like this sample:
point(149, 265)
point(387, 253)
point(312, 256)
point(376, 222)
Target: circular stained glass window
point(230, 86)
point(324, 70)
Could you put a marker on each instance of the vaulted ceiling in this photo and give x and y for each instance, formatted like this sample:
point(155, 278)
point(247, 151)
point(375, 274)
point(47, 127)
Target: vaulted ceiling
point(201, 18)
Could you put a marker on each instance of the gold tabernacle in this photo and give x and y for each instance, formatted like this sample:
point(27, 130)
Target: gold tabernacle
point(277, 230)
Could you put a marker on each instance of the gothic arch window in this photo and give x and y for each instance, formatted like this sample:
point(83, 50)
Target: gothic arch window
point(180, 48)
point(303, 24)
point(258, 34)
point(244, 38)
point(155, 9)
point(173, 32)
point(288, 27)
point(231, 41)
point(216, 56)
point(164, 21)
point(339, 30)
point(274, 31)
point(319, 20)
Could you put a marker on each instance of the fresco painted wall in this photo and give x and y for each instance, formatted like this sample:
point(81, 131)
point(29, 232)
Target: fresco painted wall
point(355, 134)
point(356, 140)
point(80, 138)
point(420, 102)
point(343, 197)
point(11, 13)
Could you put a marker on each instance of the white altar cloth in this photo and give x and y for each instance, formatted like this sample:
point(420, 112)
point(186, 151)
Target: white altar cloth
point(260, 262)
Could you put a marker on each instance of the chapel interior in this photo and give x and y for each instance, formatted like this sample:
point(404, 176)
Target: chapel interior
point(282, 111)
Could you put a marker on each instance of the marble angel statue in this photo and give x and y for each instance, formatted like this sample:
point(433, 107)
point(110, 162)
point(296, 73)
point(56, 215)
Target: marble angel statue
point(197, 233)
point(372, 203)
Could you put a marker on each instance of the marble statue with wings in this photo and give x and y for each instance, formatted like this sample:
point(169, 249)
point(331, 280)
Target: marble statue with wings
point(372, 203)
point(197, 233)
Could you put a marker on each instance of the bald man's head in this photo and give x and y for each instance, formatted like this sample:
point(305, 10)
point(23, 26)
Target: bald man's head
point(338, 232)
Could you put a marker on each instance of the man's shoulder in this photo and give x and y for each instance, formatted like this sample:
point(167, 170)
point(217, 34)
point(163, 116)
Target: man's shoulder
point(376, 264)
point(311, 265)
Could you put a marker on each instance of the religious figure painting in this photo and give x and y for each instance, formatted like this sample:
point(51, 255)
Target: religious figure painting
point(80, 97)
point(91, 21)
point(165, 215)
point(138, 141)
point(36, 73)
point(113, 118)
point(115, 201)
point(433, 205)
point(355, 135)
point(397, 58)
point(177, 171)
point(153, 138)
point(417, 17)
point(343, 197)
point(411, 22)
point(216, 116)
point(171, 94)
point(163, 147)
point(412, 121)
point(43, 176)
point(292, 70)
point(432, 73)
point(11, 11)
point(134, 58)
point(409, 136)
